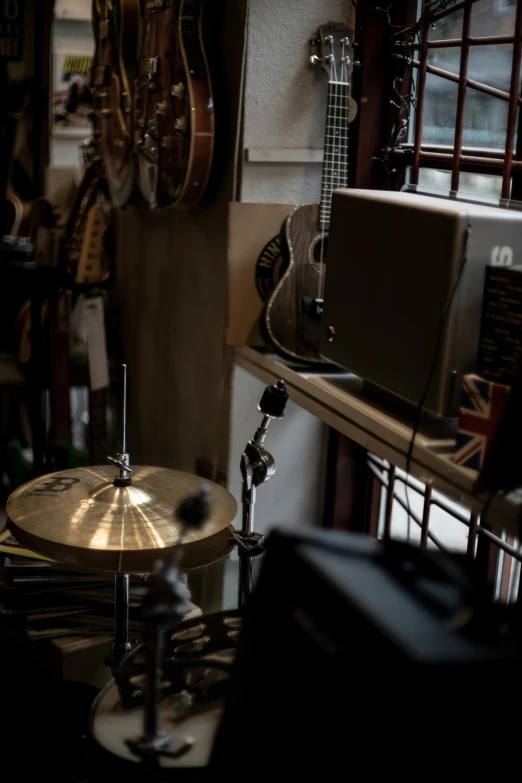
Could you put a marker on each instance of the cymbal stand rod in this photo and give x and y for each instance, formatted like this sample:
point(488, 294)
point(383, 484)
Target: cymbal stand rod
point(124, 410)
point(245, 577)
point(257, 466)
point(121, 644)
point(154, 642)
point(121, 460)
point(154, 742)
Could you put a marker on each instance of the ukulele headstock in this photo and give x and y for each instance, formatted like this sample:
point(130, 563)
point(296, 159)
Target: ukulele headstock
point(332, 48)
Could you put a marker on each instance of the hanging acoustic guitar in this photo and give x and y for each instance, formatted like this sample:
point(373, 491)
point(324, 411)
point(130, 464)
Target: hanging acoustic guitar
point(174, 105)
point(293, 313)
point(116, 25)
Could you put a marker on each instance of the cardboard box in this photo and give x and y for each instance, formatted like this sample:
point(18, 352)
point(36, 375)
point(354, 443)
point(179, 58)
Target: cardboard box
point(254, 263)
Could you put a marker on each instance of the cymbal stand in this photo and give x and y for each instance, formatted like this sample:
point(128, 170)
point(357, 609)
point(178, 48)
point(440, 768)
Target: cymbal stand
point(166, 600)
point(121, 644)
point(257, 466)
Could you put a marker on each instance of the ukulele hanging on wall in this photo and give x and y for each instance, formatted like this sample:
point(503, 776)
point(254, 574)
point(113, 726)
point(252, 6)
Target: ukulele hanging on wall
point(174, 105)
point(293, 313)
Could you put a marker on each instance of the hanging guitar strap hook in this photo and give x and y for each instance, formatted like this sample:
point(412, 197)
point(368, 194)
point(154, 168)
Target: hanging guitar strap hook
point(257, 466)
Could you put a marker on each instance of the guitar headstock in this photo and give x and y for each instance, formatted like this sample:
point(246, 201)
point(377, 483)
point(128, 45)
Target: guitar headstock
point(332, 48)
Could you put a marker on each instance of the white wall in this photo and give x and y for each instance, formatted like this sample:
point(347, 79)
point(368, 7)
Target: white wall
point(285, 98)
point(73, 9)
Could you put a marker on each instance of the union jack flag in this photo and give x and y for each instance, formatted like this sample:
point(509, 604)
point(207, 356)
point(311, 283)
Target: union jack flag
point(481, 404)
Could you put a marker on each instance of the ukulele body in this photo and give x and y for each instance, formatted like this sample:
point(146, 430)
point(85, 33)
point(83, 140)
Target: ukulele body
point(174, 106)
point(292, 319)
point(116, 27)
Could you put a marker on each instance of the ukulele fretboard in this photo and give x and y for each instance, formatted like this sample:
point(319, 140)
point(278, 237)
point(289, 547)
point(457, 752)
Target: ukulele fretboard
point(335, 166)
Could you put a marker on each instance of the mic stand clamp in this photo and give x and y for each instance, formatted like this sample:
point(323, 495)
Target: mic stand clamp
point(257, 466)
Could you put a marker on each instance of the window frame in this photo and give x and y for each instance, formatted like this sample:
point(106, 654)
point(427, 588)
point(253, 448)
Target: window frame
point(506, 163)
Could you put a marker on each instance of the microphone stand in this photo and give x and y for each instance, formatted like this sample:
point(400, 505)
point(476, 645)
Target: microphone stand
point(257, 466)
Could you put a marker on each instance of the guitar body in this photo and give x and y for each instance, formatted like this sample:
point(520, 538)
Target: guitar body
point(174, 106)
point(117, 28)
point(293, 317)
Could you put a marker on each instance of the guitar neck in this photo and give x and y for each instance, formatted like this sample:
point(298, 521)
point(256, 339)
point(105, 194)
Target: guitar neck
point(335, 165)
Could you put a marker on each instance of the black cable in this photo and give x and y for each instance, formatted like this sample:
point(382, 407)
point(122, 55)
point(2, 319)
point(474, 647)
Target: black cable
point(420, 406)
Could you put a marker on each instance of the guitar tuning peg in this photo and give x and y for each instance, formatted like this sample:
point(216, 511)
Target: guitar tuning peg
point(314, 59)
point(314, 41)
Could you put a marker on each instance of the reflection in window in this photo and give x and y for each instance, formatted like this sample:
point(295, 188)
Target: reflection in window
point(485, 119)
point(484, 186)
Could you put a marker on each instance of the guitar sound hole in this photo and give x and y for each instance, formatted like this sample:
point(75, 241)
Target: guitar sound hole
point(318, 252)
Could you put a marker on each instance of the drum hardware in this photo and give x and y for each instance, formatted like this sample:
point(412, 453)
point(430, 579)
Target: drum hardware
point(174, 688)
point(121, 644)
point(122, 458)
point(166, 600)
point(257, 466)
point(91, 519)
point(196, 665)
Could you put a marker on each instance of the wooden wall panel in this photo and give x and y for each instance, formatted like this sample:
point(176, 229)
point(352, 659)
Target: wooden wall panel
point(171, 295)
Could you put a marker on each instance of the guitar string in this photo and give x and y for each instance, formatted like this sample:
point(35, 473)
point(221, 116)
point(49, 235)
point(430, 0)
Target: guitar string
point(326, 194)
point(341, 108)
point(337, 165)
point(324, 184)
point(345, 106)
point(346, 112)
point(338, 132)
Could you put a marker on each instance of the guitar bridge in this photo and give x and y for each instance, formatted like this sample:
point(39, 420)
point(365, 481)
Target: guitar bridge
point(313, 307)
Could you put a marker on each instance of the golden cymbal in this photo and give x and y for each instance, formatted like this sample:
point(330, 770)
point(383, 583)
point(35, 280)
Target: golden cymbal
point(80, 517)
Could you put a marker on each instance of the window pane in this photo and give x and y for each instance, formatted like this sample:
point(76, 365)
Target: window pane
point(480, 186)
point(440, 107)
point(449, 27)
point(485, 117)
point(485, 121)
point(493, 17)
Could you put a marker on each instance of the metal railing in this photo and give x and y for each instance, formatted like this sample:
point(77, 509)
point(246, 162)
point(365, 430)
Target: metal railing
point(499, 553)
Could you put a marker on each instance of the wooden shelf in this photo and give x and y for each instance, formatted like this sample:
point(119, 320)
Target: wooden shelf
point(338, 399)
point(287, 155)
